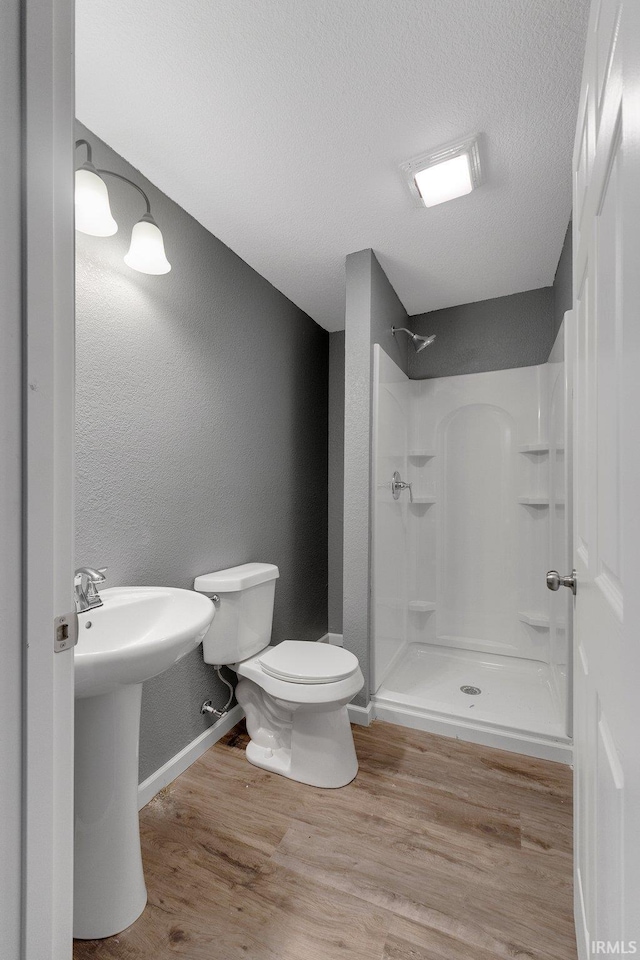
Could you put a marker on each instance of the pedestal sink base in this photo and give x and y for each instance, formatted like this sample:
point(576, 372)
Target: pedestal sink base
point(135, 634)
point(109, 890)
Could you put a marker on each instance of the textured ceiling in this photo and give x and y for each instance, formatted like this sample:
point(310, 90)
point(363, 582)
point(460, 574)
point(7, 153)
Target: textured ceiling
point(281, 124)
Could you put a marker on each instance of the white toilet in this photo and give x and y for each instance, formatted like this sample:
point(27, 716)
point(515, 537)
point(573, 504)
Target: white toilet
point(294, 694)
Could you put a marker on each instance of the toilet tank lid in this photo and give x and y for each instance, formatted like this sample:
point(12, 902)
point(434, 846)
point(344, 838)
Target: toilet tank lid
point(236, 578)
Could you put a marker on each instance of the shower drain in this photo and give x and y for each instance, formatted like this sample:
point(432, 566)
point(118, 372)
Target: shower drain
point(472, 691)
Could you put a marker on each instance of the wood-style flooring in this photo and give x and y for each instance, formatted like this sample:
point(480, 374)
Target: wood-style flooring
point(439, 850)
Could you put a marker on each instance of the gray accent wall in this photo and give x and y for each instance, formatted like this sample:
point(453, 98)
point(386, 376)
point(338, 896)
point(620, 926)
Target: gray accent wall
point(563, 282)
point(498, 334)
point(336, 478)
point(201, 435)
point(372, 308)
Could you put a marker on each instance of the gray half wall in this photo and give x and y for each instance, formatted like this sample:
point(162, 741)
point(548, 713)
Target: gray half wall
point(201, 435)
point(336, 478)
point(372, 308)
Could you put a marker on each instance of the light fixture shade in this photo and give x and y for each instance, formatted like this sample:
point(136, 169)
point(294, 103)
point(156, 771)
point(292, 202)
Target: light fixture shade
point(445, 181)
point(447, 173)
point(146, 252)
point(93, 213)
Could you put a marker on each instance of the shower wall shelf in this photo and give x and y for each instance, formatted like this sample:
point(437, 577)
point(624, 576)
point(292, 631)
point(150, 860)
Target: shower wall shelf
point(422, 606)
point(538, 620)
point(422, 501)
point(421, 454)
point(540, 501)
point(538, 448)
point(534, 619)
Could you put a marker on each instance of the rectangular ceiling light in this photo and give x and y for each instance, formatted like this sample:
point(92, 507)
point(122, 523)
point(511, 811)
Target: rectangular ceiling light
point(448, 173)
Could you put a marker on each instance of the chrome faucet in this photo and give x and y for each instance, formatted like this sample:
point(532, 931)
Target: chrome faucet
point(85, 583)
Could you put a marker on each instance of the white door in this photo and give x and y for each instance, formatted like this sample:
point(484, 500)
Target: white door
point(606, 230)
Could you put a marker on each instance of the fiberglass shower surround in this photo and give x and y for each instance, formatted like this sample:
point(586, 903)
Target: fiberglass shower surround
point(458, 574)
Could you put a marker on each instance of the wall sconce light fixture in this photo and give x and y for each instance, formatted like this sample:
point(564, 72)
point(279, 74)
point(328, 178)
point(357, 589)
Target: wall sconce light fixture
point(93, 216)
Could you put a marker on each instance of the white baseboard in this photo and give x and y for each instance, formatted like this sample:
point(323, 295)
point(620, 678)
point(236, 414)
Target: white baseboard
point(334, 638)
point(362, 715)
point(582, 934)
point(188, 755)
point(531, 746)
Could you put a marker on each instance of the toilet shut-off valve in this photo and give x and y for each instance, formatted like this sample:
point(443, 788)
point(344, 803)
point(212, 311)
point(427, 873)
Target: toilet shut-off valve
point(208, 707)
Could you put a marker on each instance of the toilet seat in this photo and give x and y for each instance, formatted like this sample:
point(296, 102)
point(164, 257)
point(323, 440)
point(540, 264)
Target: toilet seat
point(302, 661)
point(294, 691)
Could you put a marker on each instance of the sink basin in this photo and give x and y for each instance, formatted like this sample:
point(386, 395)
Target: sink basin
point(136, 634)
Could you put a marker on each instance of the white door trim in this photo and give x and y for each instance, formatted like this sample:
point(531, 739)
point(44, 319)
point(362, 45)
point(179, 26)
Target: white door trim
point(10, 481)
point(48, 425)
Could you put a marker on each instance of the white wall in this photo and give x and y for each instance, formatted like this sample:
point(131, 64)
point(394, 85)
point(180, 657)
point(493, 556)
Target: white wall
point(480, 553)
point(464, 565)
point(391, 566)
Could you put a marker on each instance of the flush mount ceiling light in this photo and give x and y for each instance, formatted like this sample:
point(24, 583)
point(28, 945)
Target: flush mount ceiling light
point(445, 174)
point(93, 216)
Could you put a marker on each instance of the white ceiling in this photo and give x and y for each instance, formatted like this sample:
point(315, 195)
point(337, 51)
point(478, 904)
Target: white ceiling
point(281, 124)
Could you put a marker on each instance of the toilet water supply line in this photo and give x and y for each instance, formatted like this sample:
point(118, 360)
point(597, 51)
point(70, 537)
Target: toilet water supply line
point(208, 707)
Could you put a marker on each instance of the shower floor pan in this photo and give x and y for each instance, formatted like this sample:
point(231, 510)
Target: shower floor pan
point(515, 710)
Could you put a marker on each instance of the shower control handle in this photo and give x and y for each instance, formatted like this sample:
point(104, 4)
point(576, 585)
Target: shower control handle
point(397, 485)
point(555, 581)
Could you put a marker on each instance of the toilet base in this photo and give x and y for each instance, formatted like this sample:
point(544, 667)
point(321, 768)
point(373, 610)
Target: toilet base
point(308, 742)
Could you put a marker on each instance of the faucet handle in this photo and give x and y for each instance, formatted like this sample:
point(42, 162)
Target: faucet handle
point(93, 581)
point(92, 575)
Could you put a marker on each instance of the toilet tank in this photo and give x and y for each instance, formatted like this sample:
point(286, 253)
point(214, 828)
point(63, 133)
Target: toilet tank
point(244, 613)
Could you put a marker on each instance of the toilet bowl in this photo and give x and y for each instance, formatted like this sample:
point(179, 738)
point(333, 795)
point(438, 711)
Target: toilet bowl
point(299, 726)
point(294, 694)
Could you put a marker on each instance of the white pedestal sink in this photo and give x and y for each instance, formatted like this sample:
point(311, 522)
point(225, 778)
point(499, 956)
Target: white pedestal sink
point(138, 633)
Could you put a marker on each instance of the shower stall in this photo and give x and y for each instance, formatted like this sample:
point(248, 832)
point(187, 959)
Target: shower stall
point(470, 510)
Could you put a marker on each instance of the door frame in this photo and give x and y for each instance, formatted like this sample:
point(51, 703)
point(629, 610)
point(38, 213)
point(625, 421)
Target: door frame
point(10, 480)
point(36, 453)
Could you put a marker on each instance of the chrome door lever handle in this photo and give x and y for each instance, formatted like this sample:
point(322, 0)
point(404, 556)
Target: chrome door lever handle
point(555, 581)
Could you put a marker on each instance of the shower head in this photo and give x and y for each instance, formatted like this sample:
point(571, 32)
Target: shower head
point(419, 342)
